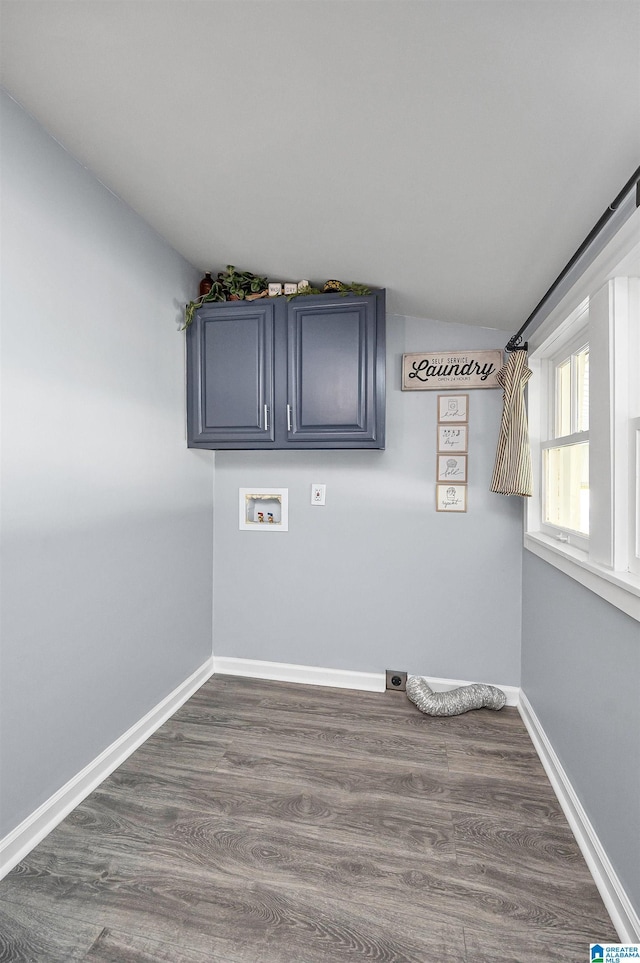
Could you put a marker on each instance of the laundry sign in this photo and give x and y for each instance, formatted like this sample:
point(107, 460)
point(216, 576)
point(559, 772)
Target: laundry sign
point(443, 370)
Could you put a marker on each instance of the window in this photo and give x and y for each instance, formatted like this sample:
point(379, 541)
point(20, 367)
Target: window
point(584, 419)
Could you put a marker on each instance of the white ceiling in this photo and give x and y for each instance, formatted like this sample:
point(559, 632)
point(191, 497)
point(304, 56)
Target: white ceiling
point(454, 152)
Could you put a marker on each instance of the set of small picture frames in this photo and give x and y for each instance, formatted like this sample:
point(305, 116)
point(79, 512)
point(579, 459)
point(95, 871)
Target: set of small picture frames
point(453, 447)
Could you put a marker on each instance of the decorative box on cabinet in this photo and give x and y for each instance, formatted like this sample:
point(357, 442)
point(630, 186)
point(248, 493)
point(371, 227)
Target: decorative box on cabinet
point(278, 374)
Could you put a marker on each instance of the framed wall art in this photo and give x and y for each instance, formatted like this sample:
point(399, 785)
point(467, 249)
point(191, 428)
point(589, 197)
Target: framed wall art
point(452, 438)
point(452, 469)
point(453, 409)
point(451, 498)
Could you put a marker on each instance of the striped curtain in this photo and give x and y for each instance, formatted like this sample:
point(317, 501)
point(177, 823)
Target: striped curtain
point(512, 472)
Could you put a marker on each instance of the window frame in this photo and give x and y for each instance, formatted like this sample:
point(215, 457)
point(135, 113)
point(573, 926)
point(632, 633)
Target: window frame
point(608, 291)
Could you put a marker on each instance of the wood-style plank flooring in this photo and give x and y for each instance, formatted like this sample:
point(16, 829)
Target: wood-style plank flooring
point(275, 823)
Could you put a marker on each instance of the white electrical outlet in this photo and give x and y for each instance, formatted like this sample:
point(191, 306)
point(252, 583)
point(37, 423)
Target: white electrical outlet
point(318, 494)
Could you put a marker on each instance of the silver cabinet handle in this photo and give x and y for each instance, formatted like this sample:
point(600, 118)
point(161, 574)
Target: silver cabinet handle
point(288, 417)
point(266, 418)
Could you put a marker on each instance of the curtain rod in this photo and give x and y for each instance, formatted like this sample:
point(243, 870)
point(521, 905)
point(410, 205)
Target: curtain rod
point(515, 343)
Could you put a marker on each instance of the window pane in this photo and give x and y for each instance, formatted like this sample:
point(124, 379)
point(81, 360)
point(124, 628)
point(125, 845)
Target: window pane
point(635, 551)
point(563, 399)
point(582, 392)
point(567, 487)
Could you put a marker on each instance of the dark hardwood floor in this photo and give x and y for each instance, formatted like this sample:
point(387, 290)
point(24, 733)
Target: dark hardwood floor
point(276, 823)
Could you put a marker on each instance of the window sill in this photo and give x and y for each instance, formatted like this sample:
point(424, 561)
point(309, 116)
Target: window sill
point(619, 588)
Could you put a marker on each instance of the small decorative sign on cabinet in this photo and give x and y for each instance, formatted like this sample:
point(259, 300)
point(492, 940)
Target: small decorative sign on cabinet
point(443, 370)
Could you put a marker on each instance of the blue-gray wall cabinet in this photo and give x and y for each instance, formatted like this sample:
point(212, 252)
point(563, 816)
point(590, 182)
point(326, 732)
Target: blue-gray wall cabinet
point(306, 373)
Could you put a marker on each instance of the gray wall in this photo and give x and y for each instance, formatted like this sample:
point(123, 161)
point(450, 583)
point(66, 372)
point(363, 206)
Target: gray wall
point(581, 674)
point(377, 578)
point(106, 517)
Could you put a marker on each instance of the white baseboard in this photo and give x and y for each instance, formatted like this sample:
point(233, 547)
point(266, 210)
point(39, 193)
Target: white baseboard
point(618, 905)
point(19, 842)
point(304, 674)
point(337, 678)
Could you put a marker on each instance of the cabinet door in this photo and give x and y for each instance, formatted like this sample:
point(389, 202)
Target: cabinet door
point(336, 373)
point(230, 376)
